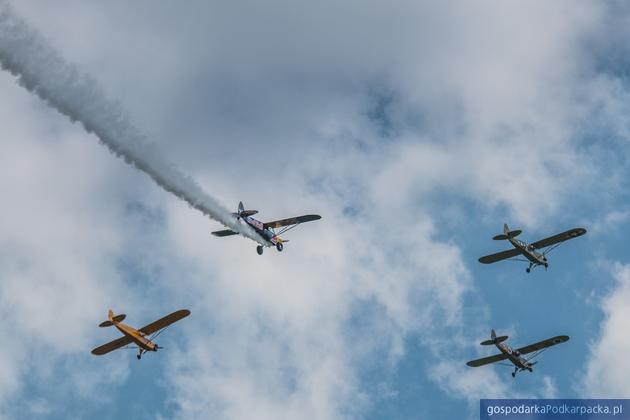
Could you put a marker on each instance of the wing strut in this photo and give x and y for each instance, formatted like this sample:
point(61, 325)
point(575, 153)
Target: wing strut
point(157, 333)
point(536, 354)
point(548, 250)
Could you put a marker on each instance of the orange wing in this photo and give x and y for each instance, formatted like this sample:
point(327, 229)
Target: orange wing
point(164, 322)
point(112, 345)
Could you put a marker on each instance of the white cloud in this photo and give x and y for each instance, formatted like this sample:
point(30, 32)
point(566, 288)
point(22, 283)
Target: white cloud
point(56, 252)
point(607, 368)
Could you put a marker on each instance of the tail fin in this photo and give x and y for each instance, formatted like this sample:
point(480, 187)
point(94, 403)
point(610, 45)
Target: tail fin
point(111, 318)
point(493, 334)
point(239, 211)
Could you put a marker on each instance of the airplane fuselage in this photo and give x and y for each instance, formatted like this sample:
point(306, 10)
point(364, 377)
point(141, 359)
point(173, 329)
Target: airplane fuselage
point(514, 356)
point(528, 251)
point(137, 337)
point(267, 236)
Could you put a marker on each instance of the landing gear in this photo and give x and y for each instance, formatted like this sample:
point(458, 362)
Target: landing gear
point(139, 356)
point(259, 249)
point(513, 374)
point(528, 269)
point(279, 246)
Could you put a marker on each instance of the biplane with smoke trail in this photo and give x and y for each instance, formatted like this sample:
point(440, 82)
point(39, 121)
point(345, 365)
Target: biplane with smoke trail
point(143, 338)
point(529, 251)
point(267, 230)
point(516, 357)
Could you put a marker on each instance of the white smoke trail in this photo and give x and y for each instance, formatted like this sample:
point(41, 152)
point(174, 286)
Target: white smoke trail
point(39, 68)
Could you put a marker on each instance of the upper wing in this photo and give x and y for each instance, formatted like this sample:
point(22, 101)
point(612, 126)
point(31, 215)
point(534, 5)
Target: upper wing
point(226, 232)
point(164, 322)
point(112, 345)
point(489, 259)
point(292, 221)
point(561, 237)
point(487, 360)
point(542, 344)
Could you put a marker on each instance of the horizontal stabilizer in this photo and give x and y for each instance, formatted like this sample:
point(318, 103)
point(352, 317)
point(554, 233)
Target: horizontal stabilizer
point(108, 323)
point(494, 341)
point(222, 233)
point(508, 235)
point(120, 318)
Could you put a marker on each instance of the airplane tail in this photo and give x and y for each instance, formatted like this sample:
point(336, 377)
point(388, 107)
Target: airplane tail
point(494, 339)
point(111, 319)
point(507, 233)
point(242, 212)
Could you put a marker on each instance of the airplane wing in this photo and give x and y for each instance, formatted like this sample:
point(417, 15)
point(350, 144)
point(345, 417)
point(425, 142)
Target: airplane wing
point(543, 344)
point(292, 221)
point(489, 259)
point(487, 360)
point(222, 233)
point(111, 346)
point(561, 237)
point(164, 322)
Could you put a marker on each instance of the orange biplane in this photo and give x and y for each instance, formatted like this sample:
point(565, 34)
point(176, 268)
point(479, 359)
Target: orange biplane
point(142, 338)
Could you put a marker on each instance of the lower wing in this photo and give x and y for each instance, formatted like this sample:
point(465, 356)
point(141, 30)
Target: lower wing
point(111, 346)
point(487, 360)
point(489, 259)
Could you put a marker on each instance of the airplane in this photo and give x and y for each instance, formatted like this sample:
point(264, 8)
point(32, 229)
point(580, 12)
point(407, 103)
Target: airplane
point(267, 231)
point(142, 338)
point(529, 250)
point(519, 362)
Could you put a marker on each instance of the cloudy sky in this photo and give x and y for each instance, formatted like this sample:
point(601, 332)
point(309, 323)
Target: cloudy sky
point(416, 129)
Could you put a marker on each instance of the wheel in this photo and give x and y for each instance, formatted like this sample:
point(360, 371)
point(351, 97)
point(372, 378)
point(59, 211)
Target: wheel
point(138, 356)
point(279, 246)
point(513, 374)
point(528, 269)
point(259, 249)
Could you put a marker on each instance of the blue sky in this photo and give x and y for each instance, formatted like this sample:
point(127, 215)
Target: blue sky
point(416, 129)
